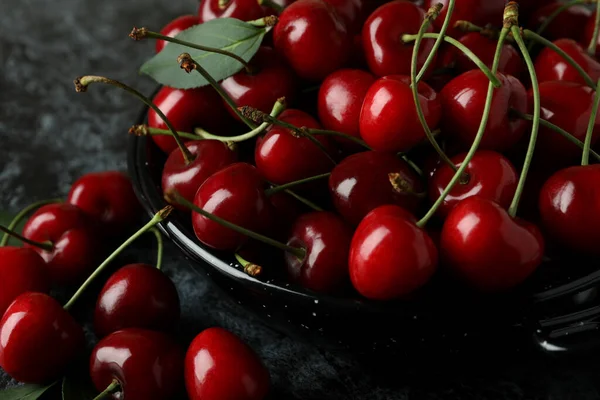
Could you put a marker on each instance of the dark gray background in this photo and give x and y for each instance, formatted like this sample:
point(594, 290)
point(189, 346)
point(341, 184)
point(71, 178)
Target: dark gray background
point(50, 135)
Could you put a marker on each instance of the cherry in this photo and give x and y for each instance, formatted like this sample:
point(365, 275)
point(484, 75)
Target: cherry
point(463, 100)
point(550, 66)
point(351, 11)
point(361, 183)
point(210, 156)
point(491, 176)
point(313, 39)
point(245, 10)
point(136, 296)
point(74, 246)
point(146, 364)
point(487, 248)
point(385, 52)
point(39, 339)
point(218, 365)
point(326, 239)
point(479, 12)
point(175, 27)
point(388, 118)
point(589, 33)
point(107, 197)
point(21, 270)
point(390, 256)
point(570, 23)
point(282, 157)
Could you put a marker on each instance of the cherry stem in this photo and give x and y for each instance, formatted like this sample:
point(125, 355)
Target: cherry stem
point(271, 4)
point(265, 22)
point(594, 41)
point(279, 188)
point(158, 217)
point(304, 201)
point(22, 214)
point(47, 245)
point(249, 267)
point(487, 31)
point(414, 166)
point(83, 82)
point(159, 246)
point(516, 33)
point(223, 3)
point(174, 197)
point(187, 63)
point(111, 389)
point(145, 130)
point(585, 158)
point(401, 185)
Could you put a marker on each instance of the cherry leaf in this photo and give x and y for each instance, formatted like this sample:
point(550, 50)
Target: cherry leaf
point(229, 34)
point(25, 392)
point(77, 388)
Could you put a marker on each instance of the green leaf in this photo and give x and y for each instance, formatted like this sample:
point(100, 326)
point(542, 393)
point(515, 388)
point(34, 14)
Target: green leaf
point(77, 388)
point(228, 34)
point(25, 392)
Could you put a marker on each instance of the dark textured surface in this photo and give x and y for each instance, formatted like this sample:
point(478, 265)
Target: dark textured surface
point(50, 135)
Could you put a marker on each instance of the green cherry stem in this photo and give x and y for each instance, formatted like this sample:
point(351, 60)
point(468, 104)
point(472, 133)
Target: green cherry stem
point(158, 218)
point(304, 201)
point(265, 22)
point(159, 246)
point(594, 41)
point(82, 83)
point(22, 214)
point(439, 39)
point(145, 130)
point(42, 245)
point(111, 389)
point(249, 267)
point(279, 188)
point(585, 158)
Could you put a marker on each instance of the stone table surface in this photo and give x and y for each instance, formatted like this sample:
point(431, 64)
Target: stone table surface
point(50, 135)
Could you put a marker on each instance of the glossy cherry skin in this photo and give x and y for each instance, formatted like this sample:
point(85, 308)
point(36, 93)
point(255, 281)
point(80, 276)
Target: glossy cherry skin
point(313, 38)
point(235, 194)
point(326, 239)
point(485, 48)
point(352, 12)
point(210, 156)
point(282, 157)
point(107, 197)
point(570, 23)
point(186, 110)
point(569, 207)
point(390, 257)
point(245, 10)
point(487, 248)
point(75, 244)
point(147, 364)
point(549, 66)
point(361, 183)
point(491, 176)
point(218, 365)
point(463, 101)
point(589, 33)
point(479, 12)
point(39, 339)
point(388, 118)
point(385, 52)
point(136, 296)
point(175, 27)
point(21, 270)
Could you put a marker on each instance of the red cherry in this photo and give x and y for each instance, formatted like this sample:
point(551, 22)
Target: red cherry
point(210, 156)
point(313, 39)
point(282, 157)
point(75, 247)
point(218, 365)
point(351, 11)
point(361, 183)
point(175, 27)
point(107, 197)
point(479, 12)
point(463, 101)
point(326, 239)
point(485, 48)
point(390, 256)
point(589, 33)
point(385, 51)
point(491, 176)
point(21, 270)
point(570, 23)
point(487, 248)
point(39, 339)
point(549, 66)
point(245, 10)
point(388, 118)
point(147, 365)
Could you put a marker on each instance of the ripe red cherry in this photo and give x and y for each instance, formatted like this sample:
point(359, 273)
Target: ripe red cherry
point(218, 365)
point(361, 183)
point(351, 11)
point(570, 23)
point(491, 176)
point(186, 110)
point(479, 12)
point(385, 52)
point(136, 296)
point(107, 197)
point(21, 270)
point(485, 48)
point(549, 66)
point(147, 365)
point(313, 39)
point(245, 10)
point(463, 101)
point(175, 27)
point(210, 156)
point(487, 248)
point(282, 157)
point(75, 247)
point(388, 118)
point(326, 239)
point(39, 339)
point(589, 33)
point(236, 194)
point(390, 257)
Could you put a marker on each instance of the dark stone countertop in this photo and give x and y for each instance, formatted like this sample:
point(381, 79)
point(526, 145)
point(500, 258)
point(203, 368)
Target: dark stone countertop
point(50, 135)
